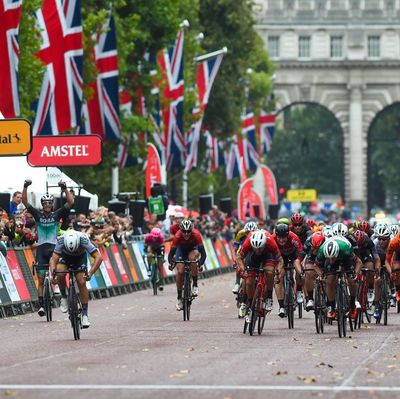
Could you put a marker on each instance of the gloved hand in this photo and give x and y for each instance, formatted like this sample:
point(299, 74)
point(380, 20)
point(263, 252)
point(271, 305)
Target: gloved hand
point(27, 183)
point(171, 267)
point(62, 185)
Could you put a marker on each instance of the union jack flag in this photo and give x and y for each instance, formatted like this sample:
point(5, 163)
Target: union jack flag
point(101, 112)
point(266, 131)
point(171, 67)
point(206, 73)
point(59, 106)
point(124, 159)
point(214, 154)
point(248, 144)
point(10, 12)
point(233, 161)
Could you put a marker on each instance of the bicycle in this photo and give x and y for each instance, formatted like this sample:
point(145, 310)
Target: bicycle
point(47, 290)
point(319, 305)
point(385, 295)
point(154, 273)
point(74, 302)
point(342, 302)
point(289, 299)
point(362, 298)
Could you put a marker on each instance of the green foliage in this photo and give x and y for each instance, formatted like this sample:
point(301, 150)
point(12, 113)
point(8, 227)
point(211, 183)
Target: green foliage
point(306, 150)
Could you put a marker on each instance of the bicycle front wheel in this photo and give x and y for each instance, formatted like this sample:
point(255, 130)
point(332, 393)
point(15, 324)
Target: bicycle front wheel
point(255, 305)
point(289, 303)
point(74, 315)
point(187, 297)
point(154, 277)
point(47, 299)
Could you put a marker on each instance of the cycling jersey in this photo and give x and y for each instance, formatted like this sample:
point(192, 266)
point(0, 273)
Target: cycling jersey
point(174, 229)
point(239, 238)
point(307, 252)
point(394, 248)
point(154, 242)
point(292, 248)
point(304, 233)
point(346, 255)
point(381, 250)
point(270, 248)
point(47, 225)
point(367, 251)
point(185, 245)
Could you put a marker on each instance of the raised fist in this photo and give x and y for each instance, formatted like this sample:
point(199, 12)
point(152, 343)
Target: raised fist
point(62, 185)
point(27, 183)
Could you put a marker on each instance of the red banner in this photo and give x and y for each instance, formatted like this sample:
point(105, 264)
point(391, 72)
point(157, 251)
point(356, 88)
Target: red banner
point(107, 263)
point(249, 201)
point(120, 263)
point(153, 168)
point(65, 150)
point(18, 277)
point(270, 185)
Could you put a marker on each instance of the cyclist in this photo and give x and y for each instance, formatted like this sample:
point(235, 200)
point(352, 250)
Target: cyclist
point(365, 227)
point(237, 243)
point(381, 241)
point(394, 229)
point(341, 230)
point(186, 245)
point(259, 248)
point(70, 252)
point(392, 263)
point(332, 253)
point(327, 231)
point(47, 222)
point(368, 254)
point(177, 220)
point(154, 246)
point(290, 248)
point(308, 254)
point(299, 227)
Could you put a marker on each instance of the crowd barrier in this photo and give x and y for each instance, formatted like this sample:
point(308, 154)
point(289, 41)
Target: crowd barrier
point(123, 270)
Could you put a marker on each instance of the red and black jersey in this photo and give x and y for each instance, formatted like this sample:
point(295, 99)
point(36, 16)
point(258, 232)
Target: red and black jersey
point(174, 229)
point(269, 248)
point(304, 233)
point(194, 240)
point(293, 245)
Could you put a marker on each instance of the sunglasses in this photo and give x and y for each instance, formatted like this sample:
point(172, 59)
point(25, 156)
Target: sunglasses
point(297, 224)
point(47, 203)
point(186, 233)
point(383, 238)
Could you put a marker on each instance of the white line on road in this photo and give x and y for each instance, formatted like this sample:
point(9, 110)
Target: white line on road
point(338, 388)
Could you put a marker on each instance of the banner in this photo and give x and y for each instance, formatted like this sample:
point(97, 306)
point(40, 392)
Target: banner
point(16, 272)
point(270, 184)
point(153, 168)
point(249, 201)
point(8, 280)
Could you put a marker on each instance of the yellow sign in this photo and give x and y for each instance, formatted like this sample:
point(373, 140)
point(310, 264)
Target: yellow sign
point(15, 137)
point(306, 195)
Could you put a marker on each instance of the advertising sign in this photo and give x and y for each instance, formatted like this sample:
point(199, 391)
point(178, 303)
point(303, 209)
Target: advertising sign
point(306, 195)
point(65, 150)
point(15, 137)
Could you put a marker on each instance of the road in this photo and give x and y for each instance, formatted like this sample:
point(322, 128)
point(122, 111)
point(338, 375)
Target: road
point(138, 346)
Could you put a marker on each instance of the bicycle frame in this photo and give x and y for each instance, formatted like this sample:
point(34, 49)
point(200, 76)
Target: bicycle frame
point(319, 305)
point(289, 295)
point(47, 291)
point(187, 297)
point(342, 302)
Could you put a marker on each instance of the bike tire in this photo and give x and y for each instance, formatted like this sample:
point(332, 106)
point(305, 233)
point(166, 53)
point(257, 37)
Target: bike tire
point(385, 299)
point(261, 323)
point(300, 309)
point(255, 306)
point(154, 279)
point(187, 292)
point(339, 313)
point(47, 300)
point(74, 311)
point(317, 309)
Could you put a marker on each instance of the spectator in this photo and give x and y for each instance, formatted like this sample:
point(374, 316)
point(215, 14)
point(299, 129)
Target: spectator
point(16, 206)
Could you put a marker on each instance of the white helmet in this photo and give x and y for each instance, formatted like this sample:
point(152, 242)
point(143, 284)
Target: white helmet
point(72, 240)
point(47, 198)
point(381, 230)
point(331, 249)
point(258, 239)
point(339, 229)
point(250, 226)
point(327, 231)
point(394, 229)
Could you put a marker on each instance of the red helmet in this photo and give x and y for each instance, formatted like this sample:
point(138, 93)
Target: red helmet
point(297, 218)
point(360, 236)
point(311, 223)
point(364, 226)
point(317, 239)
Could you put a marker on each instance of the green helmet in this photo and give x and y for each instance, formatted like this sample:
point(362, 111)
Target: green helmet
point(284, 221)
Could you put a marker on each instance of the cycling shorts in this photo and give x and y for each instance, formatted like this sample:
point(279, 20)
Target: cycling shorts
point(348, 267)
point(157, 251)
point(253, 261)
point(182, 253)
point(73, 262)
point(43, 255)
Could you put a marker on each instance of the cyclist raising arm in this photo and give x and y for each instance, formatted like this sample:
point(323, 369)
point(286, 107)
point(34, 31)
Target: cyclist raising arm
point(70, 251)
point(47, 228)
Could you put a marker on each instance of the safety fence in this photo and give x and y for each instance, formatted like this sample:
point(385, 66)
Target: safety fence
point(123, 270)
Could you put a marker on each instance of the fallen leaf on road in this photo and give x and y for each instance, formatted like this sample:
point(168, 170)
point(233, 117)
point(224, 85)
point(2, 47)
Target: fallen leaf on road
point(227, 305)
point(81, 369)
point(397, 357)
point(145, 350)
point(273, 363)
point(10, 393)
point(355, 347)
point(392, 366)
point(190, 349)
point(327, 339)
point(307, 380)
point(184, 371)
point(322, 364)
point(277, 373)
point(295, 339)
point(179, 374)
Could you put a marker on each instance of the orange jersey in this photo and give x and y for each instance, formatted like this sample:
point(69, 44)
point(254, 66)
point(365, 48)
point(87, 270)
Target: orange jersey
point(394, 246)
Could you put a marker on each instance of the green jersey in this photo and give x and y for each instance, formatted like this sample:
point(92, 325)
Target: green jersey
point(346, 252)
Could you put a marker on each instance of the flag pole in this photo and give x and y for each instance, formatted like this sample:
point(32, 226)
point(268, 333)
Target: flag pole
point(207, 56)
point(114, 181)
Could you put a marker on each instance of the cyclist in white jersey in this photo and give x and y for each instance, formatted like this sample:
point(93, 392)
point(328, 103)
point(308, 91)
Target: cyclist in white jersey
point(47, 224)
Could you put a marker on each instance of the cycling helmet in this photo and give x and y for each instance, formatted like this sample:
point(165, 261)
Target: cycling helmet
point(327, 231)
point(382, 231)
point(339, 229)
point(186, 225)
point(317, 239)
point(282, 230)
point(360, 237)
point(297, 218)
point(258, 239)
point(284, 221)
point(156, 232)
point(394, 229)
point(331, 249)
point(72, 240)
point(250, 226)
point(310, 223)
point(364, 226)
point(47, 197)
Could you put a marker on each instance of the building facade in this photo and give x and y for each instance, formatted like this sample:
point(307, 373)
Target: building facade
point(343, 55)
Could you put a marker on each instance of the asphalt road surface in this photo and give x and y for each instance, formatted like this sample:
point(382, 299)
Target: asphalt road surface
point(138, 346)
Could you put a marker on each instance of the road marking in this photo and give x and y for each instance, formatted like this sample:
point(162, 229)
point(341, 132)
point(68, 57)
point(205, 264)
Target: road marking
point(337, 388)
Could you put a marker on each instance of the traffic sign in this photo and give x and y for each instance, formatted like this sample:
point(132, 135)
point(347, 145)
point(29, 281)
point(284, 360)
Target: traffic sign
point(74, 150)
point(15, 137)
point(305, 195)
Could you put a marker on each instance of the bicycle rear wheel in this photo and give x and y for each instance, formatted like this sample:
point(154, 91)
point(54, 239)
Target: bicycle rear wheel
point(318, 311)
point(289, 303)
point(47, 299)
point(74, 312)
point(385, 298)
point(154, 276)
point(255, 306)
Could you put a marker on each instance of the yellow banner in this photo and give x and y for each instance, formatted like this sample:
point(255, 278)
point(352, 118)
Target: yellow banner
point(15, 137)
point(305, 195)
